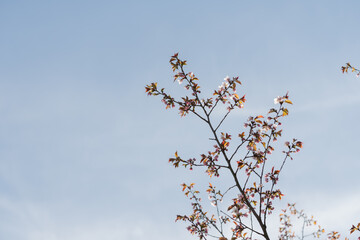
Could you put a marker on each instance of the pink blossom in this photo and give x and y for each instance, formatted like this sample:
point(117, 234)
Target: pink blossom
point(266, 178)
point(235, 210)
point(223, 85)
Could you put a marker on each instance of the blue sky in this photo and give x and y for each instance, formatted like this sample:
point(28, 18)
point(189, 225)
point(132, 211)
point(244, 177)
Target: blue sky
point(83, 151)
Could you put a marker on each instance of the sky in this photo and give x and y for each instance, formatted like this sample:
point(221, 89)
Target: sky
point(84, 152)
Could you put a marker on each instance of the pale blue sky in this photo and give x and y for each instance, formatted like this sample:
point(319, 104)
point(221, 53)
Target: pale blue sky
point(83, 151)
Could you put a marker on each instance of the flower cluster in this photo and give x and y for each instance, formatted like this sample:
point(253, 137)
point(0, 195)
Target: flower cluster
point(249, 165)
point(239, 208)
point(282, 99)
point(227, 93)
point(214, 196)
point(286, 231)
point(199, 221)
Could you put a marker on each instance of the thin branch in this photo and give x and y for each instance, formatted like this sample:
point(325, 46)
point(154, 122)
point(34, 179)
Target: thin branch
point(273, 184)
point(222, 120)
point(243, 224)
point(193, 111)
point(217, 100)
point(252, 226)
point(204, 214)
point(218, 214)
point(227, 191)
point(263, 166)
point(302, 230)
point(246, 156)
point(238, 147)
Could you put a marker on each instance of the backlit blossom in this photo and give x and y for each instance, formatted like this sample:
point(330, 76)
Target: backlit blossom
point(223, 85)
point(278, 100)
point(235, 210)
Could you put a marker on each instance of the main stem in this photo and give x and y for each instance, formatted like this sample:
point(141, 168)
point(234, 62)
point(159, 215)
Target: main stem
point(257, 216)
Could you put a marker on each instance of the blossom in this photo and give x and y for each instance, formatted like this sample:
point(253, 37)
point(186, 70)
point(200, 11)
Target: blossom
point(265, 128)
point(235, 210)
point(223, 85)
point(232, 97)
point(227, 79)
point(278, 100)
point(180, 80)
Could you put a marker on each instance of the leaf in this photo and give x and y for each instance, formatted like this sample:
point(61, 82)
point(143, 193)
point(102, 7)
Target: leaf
point(285, 111)
point(242, 134)
point(288, 101)
point(272, 110)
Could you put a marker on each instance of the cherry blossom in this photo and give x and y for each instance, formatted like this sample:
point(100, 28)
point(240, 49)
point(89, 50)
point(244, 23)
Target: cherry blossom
point(278, 100)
